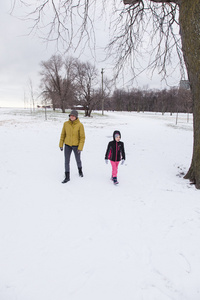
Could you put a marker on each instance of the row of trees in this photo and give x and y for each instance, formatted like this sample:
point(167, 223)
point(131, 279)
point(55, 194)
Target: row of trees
point(172, 100)
point(68, 82)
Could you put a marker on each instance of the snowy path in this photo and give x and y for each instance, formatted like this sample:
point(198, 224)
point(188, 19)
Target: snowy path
point(88, 239)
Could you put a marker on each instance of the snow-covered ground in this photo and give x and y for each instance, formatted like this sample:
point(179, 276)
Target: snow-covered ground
point(89, 239)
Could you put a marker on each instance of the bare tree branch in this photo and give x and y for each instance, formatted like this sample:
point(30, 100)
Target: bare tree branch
point(71, 23)
point(138, 17)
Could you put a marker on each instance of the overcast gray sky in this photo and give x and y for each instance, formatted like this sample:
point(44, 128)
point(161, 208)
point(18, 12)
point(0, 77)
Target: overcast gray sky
point(21, 54)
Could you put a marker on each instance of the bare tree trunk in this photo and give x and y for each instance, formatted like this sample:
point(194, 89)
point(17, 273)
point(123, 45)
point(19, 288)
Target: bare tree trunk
point(190, 33)
point(62, 105)
point(87, 112)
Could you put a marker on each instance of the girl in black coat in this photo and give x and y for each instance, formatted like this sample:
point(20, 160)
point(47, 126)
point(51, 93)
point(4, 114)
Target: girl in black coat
point(115, 153)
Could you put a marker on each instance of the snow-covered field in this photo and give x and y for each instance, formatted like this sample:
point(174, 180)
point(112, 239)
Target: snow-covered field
point(88, 239)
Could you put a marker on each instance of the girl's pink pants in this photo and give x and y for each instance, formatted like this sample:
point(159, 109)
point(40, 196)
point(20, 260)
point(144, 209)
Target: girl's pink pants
point(114, 165)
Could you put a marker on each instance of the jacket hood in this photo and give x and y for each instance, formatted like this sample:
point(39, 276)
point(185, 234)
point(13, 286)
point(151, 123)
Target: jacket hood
point(116, 132)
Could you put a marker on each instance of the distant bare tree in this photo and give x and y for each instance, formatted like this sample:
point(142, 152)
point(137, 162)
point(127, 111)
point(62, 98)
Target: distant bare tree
point(86, 84)
point(57, 80)
point(51, 80)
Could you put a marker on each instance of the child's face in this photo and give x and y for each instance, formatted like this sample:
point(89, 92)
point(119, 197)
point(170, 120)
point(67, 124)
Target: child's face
point(117, 138)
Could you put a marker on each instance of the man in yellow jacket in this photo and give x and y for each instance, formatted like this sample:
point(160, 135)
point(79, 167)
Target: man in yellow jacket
point(73, 137)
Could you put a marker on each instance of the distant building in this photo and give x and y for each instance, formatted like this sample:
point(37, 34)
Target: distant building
point(184, 84)
point(45, 106)
point(78, 107)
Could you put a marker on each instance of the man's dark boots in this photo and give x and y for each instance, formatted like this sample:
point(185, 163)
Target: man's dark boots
point(80, 172)
point(66, 177)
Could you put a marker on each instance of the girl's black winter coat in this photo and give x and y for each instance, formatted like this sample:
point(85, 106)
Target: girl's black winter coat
point(115, 151)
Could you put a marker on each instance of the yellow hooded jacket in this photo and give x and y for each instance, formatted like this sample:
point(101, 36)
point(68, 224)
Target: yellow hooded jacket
point(73, 134)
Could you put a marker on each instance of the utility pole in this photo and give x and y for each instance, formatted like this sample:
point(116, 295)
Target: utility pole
point(102, 91)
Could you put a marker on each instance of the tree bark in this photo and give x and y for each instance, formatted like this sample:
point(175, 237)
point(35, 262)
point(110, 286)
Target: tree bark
point(190, 34)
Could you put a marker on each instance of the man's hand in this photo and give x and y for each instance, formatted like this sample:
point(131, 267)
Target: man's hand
point(61, 148)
